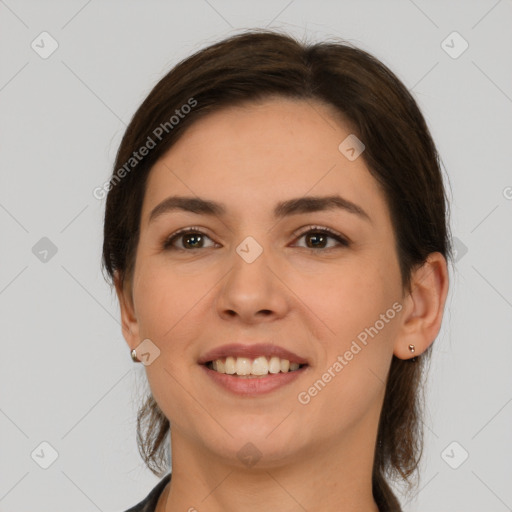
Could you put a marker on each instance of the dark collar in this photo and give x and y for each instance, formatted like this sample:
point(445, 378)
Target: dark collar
point(148, 504)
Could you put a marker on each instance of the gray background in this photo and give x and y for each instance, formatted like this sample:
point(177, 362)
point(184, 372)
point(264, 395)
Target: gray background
point(66, 377)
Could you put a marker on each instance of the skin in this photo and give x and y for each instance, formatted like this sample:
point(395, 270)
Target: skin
point(313, 300)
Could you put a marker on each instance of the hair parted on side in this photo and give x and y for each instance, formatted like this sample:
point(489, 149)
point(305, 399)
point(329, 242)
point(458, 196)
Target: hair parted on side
point(399, 153)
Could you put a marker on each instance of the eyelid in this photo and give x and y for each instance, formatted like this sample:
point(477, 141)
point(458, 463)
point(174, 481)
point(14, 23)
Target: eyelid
point(186, 230)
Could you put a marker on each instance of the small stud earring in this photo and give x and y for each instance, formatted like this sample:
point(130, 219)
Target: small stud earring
point(134, 356)
point(411, 348)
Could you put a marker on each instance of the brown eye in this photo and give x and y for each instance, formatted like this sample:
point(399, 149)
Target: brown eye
point(189, 239)
point(318, 238)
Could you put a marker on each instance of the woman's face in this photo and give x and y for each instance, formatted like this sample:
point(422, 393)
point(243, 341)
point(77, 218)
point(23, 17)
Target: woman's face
point(262, 274)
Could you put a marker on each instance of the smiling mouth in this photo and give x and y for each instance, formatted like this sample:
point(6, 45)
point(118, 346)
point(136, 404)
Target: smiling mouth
point(253, 367)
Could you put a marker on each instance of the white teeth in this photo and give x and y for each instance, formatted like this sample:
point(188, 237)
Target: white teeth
point(229, 365)
point(260, 366)
point(274, 366)
point(243, 366)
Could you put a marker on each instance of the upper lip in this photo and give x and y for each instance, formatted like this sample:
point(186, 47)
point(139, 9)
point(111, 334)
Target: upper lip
point(250, 351)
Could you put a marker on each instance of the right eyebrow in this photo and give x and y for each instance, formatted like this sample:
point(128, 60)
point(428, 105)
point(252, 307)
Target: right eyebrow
point(187, 204)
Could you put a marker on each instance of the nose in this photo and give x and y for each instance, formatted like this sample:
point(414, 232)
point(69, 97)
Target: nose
point(253, 291)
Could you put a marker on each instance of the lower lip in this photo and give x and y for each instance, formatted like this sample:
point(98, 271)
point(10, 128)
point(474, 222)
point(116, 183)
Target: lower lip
point(253, 386)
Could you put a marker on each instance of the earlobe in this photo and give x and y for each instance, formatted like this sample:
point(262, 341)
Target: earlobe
point(424, 307)
point(129, 322)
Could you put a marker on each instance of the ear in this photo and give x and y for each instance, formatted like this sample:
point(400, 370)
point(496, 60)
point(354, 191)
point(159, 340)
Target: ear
point(129, 323)
point(423, 307)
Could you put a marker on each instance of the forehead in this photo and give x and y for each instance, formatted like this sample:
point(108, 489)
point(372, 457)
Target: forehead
point(252, 155)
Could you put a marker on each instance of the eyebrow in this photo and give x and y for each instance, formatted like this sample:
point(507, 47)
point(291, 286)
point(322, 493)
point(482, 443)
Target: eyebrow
point(283, 209)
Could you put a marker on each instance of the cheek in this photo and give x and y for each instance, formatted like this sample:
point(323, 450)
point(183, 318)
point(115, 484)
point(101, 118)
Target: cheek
point(165, 303)
point(356, 349)
point(353, 309)
point(347, 299)
point(165, 300)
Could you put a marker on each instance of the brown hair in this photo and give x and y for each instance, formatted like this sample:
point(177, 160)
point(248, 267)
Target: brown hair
point(400, 154)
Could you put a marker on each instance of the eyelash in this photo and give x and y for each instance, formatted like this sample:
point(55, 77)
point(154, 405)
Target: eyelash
point(168, 243)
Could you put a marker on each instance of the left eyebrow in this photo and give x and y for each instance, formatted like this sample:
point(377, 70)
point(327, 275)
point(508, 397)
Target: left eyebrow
point(309, 204)
point(295, 206)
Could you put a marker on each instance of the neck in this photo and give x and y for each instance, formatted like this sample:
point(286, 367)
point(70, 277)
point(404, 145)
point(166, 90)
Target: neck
point(336, 478)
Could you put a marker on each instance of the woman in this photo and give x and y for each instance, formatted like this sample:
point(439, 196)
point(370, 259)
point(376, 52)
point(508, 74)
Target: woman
point(276, 231)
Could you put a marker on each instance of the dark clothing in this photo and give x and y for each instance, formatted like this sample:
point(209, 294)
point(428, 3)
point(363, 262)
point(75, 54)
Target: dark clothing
point(148, 504)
